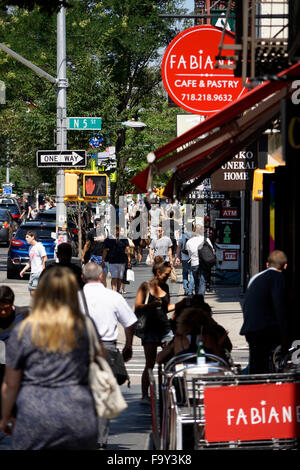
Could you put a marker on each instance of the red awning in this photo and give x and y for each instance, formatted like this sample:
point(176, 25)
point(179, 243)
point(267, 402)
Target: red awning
point(220, 136)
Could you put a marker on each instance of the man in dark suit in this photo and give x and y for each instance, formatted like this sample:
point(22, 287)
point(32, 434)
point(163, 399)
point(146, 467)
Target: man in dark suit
point(265, 318)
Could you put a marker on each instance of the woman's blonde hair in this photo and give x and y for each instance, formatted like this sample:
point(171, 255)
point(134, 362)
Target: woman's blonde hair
point(56, 318)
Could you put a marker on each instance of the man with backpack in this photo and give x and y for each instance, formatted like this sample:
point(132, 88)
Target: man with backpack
point(202, 257)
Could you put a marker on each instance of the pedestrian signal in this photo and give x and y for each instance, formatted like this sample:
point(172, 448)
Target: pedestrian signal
point(95, 186)
point(71, 185)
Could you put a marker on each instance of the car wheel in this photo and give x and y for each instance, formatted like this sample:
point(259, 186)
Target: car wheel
point(12, 272)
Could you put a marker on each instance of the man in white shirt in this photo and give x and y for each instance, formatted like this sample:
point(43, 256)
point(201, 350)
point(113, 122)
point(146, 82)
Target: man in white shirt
point(107, 308)
point(37, 260)
point(192, 247)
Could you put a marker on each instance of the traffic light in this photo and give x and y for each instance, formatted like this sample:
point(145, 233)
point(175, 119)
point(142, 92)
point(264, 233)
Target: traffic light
point(159, 191)
point(95, 186)
point(71, 185)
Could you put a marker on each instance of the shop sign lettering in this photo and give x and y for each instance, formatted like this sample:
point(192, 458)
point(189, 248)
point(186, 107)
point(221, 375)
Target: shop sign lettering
point(252, 412)
point(190, 75)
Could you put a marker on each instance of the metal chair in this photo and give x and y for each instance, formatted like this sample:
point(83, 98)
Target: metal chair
point(154, 410)
point(177, 395)
point(200, 410)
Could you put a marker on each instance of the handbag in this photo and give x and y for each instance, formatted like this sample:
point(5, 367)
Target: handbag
point(173, 275)
point(148, 262)
point(117, 365)
point(130, 275)
point(108, 399)
point(139, 327)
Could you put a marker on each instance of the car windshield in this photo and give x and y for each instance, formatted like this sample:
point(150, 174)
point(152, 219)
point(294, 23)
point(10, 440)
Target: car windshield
point(42, 233)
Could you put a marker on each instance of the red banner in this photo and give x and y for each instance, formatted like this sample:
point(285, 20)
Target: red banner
point(252, 412)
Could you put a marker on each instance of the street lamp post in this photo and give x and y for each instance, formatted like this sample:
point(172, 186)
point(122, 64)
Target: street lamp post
point(61, 116)
point(121, 135)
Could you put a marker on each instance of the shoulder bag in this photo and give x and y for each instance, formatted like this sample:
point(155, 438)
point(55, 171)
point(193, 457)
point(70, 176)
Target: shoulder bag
point(207, 256)
point(139, 327)
point(108, 399)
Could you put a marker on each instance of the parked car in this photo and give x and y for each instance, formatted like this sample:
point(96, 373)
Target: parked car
point(50, 216)
point(12, 206)
point(8, 226)
point(18, 252)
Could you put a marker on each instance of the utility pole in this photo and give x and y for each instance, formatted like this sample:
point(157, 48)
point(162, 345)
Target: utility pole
point(61, 116)
point(62, 83)
point(7, 161)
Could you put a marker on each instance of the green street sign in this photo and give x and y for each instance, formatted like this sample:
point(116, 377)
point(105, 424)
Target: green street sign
point(84, 123)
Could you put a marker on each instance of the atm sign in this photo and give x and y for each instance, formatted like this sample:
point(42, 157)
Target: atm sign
point(229, 212)
point(230, 255)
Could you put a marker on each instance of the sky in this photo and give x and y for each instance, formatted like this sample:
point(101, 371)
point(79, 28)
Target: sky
point(189, 4)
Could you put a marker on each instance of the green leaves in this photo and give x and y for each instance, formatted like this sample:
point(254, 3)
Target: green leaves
point(114, 53)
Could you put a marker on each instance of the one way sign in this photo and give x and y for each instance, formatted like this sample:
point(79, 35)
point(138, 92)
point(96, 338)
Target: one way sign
point(61, 158)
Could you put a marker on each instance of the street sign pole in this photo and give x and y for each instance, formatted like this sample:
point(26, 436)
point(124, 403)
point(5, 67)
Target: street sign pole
point(61, 116)
point(62, 84)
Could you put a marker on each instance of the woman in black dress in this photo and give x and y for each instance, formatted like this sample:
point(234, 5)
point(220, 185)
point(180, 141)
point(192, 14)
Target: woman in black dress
point(153, 297)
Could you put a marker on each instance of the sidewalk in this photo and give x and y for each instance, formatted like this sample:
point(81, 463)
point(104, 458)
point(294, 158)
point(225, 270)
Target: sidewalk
point(225, 302)
point(132, 429)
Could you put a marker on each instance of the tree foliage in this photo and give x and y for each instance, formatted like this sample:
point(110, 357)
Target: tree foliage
point(114, 52)
point(45, 7)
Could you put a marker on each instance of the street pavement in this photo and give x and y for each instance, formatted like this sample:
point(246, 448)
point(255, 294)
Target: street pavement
point(132, 429)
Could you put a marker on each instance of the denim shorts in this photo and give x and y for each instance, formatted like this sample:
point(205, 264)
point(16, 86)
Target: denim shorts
point(98, 260)
point(117, 270)
point(33, 281)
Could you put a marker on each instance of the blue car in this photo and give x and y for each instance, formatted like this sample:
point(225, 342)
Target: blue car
point(18, 252)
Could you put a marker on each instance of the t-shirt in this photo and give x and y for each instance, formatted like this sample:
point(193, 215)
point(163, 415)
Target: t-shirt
point(117, 250)
point(107, 308)
point(183, 241)
point(36, 253)
point(161, 247)
point(192, 246)
point(72, 266)
point(97, 242)
point(155, 216)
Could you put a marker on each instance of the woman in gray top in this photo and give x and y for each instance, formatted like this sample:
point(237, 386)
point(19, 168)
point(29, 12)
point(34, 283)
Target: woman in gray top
point(47, 366)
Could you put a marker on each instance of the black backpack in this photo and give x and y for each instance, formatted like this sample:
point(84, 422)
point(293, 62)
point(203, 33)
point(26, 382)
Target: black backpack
point(207, 256)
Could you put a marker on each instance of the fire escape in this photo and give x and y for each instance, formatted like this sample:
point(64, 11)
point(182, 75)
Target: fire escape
point(263, 38)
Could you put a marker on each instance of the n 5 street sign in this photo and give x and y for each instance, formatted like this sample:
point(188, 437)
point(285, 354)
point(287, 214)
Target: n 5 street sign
point(61, 158)
point(84, 123)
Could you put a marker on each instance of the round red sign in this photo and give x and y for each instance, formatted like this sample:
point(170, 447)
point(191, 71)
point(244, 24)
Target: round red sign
point(189, 73)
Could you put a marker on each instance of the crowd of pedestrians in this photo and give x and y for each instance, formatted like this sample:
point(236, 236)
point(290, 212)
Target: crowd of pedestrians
point(45, 362)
